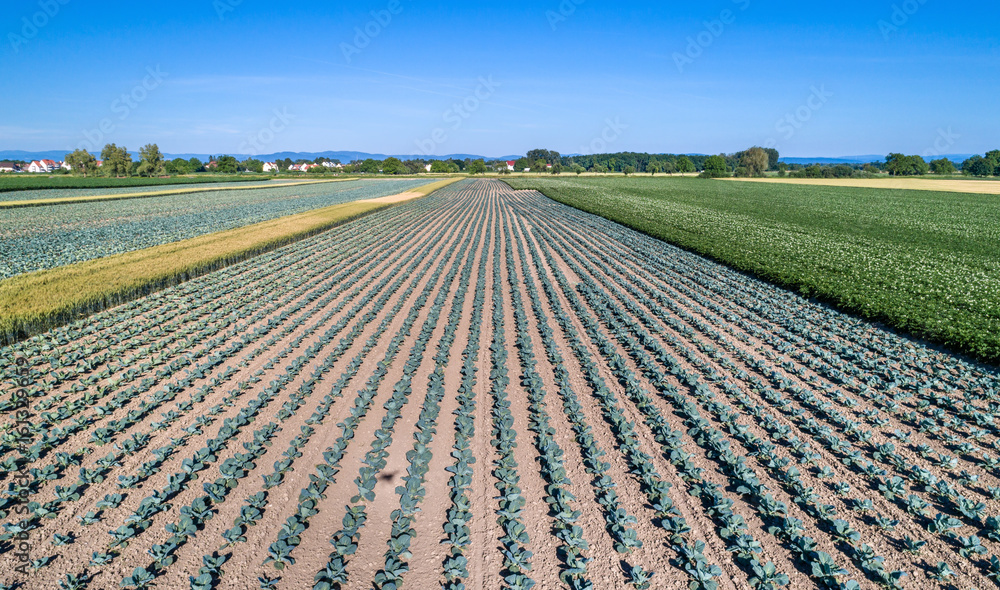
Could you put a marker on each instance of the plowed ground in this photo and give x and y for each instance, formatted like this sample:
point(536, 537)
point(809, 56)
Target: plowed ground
point(689, 378)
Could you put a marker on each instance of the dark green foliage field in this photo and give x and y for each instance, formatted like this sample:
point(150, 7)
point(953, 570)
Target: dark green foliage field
point(19, 182)
point(926, 263)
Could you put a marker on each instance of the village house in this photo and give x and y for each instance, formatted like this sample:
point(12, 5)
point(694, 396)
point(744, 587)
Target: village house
point(510, 165)
point(9, 167)
point(42, 166)
point(270, 167)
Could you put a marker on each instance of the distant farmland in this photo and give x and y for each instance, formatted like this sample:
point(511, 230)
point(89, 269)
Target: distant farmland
point(923, 262)
point(485, 388)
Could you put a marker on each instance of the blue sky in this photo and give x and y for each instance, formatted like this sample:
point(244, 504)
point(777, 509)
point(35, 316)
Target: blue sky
point(231, 76)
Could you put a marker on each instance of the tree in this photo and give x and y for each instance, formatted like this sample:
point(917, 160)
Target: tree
point(978, 166)
point(151, 163)
point(227, 165)
point(117, 161)
point(195, 165)
point(317, 169)
point(439, 167)
point(522, 164)
point(178, 166)
point(394, 166)
point(476, 167)
point(557, 168)
point(900, 165)
point(782, 169)
point(653, 168)
point(82, 162)
point(685, 165)
point(629, 170)
point(772, 158)
point(546, 156)
point(540, 166)
point(252, 165)
point(755, 160)
point(715, 167)
point(578, 169)
point(943, 166)
point(370, 166)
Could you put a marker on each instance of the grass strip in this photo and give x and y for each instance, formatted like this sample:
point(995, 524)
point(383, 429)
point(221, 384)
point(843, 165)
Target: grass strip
point(36, 302)
point(163, 193)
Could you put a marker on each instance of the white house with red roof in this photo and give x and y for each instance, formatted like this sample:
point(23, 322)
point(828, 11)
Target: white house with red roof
point(510, 165)
point(42, 166)
point(270, 167)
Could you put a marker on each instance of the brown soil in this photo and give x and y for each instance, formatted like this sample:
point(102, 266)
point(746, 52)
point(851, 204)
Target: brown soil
point(681, 301)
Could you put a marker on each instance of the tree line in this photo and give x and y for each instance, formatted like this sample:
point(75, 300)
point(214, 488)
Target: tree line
point(752, 162)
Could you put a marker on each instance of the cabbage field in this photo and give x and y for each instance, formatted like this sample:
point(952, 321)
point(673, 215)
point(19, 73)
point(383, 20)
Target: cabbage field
point(488, 389)
point(38, 238)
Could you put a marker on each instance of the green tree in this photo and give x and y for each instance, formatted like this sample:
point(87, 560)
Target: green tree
point(82, 162)
point(772, 158)
point(440, 167)
point(557, 168)
point(227, 165)
point(370, 166)
point(943, 166)
point(978, 166)
point(629, 170)
point(195, 165)
point(755, 161)
point(685, 165)
point(151, 160)
point(522, 164)
point(252, 165)
point(117, 161)
point(317, 169)
point(653, 168)
point(549, 157)
point(715, 167)
point(476, 167)
point(782, 169)
point(540, 166)
point(994, 158)
point(178, 166)
point(394, 166)
point(901, 165)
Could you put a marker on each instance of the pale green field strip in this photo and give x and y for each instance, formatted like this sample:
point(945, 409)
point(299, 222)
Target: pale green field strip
point(39, 301)
point(163, 193)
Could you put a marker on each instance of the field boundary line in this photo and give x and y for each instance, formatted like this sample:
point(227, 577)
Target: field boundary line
point(36, 302)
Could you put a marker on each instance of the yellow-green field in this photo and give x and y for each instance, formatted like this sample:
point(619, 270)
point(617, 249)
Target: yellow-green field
point(148, 194)
point(38, 301)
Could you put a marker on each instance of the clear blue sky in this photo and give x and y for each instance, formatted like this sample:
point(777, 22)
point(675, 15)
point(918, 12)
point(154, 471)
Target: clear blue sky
point(571, 77)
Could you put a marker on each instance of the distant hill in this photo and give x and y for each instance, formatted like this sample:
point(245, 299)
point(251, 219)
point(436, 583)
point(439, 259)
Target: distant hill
point(345, 157)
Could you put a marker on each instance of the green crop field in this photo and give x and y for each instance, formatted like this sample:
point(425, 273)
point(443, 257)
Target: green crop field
point(21, 182)
point(926, 263)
